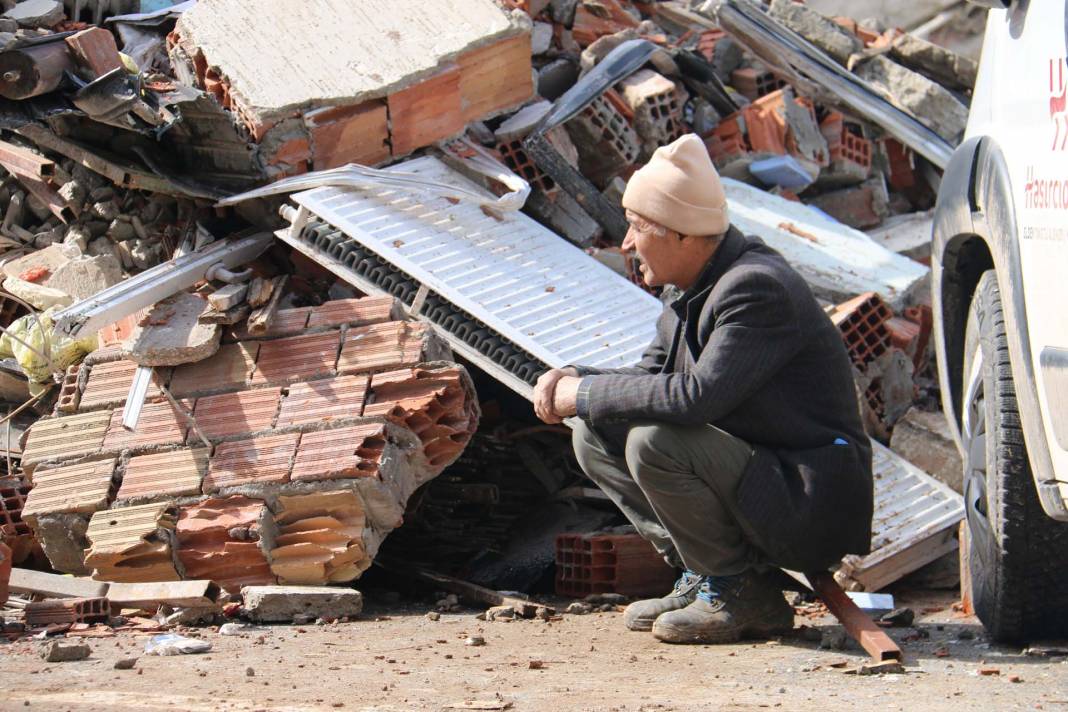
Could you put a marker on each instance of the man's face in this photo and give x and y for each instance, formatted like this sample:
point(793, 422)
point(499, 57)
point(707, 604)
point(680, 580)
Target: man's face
point(659, 250)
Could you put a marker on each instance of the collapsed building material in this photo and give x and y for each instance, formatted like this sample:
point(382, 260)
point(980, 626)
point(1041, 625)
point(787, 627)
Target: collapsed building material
point(153, 285)
point(132, 544)
point(859, 626)
point(177, 594)
point(915, 522)
point(447, 64)
point(14, 530)
point(818, 76)
point(609, 563)
point(5, 571)
point(836, 261)
point(512, 318)
point(924, 439)
point(67, 610)
point(30, 582)
point(314, 444)
point(284, 604)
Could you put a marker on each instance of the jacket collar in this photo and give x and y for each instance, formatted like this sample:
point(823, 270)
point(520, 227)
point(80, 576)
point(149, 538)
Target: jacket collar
point(733, 245)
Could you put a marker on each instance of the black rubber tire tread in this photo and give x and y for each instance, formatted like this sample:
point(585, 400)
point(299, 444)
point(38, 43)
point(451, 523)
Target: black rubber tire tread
point(1024, 596)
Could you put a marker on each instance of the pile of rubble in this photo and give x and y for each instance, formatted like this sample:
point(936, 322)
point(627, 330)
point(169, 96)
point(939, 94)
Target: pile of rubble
point(208, 397)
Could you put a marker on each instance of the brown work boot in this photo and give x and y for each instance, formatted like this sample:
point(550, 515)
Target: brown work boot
point(640, 615)
point(726, 609)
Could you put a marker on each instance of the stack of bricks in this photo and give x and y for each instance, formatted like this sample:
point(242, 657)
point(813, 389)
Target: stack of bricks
point(286, 457)
point(850, 152)
point(778, 124)
point(656, 104)
point(607, 143)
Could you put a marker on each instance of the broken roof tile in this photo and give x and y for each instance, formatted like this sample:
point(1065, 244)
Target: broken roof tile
point(65, 438)
point(244, 412)
point(227, 370)
point(175, 473)
point(382, 346)
point(85, 487)
point(160, 424)
point(323, 400)
point(109, 383)
point(341, 453)
point(256, 460)
point(298, 358)
point(285, 322)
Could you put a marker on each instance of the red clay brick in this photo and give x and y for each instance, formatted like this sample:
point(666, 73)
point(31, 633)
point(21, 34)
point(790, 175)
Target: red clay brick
point(109, 383)
point(382, 346)
point(236, 413)
point(426, 112)
point(323, 400)
point(356, 312)
point(349, 134)
point(229, 369)
point(175, 473)
point(341, 453)
point(160, 424)
point(257, 460)
point(208, 548)
point(298, 358)
point(495, 77)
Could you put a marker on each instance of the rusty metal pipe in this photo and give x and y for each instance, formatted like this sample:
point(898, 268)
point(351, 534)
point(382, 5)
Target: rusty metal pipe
point(34, 70)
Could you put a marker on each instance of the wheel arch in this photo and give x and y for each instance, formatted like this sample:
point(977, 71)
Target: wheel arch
point(975, 229)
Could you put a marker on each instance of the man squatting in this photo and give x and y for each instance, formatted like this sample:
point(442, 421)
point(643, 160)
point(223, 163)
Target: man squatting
point(735, 445)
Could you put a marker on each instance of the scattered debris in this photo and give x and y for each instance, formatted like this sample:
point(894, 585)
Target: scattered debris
point(275, 604)
point(173, 644)
point(59, 651)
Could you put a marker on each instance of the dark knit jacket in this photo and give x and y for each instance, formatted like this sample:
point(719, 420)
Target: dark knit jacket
point(749, 350)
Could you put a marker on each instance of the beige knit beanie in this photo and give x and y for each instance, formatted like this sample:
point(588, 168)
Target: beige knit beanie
point(679, 188)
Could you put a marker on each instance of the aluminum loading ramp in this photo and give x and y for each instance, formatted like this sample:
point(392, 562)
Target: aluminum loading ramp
point(506, 293)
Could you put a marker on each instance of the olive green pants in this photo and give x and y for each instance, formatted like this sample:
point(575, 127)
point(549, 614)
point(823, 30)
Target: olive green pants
point(676, 485)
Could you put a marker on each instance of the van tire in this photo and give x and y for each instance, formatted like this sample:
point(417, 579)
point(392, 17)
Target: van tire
point(1018, 555)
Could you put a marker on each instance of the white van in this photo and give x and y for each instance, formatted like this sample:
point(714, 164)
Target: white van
point(1000, 291)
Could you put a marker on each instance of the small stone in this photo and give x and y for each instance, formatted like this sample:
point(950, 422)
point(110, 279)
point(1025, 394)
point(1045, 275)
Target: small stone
point(433, 616)
point(535, 665)
point(121, 230)
point(1015, 678)
point(899, 617)
point(59, 651)
point(475, 641)
point(73, 194)
point(966, 634)
point(834, 639)
point(578, 608)
point(543, 613)
point(613, 598)
point(125, 663)
point(105, 210)
point(249, 672)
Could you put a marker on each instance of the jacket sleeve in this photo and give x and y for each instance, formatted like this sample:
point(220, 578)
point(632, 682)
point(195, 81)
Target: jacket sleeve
point(756, 333)
point(652, 359)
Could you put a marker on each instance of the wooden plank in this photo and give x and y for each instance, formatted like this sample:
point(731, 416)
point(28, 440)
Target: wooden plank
point(260, 320)
point(862, 628)
point(191, 594)
point(26, 162)
point(54, 585)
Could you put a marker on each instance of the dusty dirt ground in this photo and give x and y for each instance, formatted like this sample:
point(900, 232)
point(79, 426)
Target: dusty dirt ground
point(395, 658)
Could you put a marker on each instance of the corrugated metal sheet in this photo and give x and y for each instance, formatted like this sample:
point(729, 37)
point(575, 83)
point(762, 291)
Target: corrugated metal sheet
point(915, 519)
point(534, 289)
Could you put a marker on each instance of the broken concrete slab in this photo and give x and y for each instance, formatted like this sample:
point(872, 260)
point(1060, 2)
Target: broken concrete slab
point(38, 295)
point(909, 235)
point(61, 651)
point(817, 29)
point(932, 104)
point(924, 439)
point(37, 13)
point(279, 604)
point(837, 261)
point(944, 66)
point(172, 335)
point(82, 278)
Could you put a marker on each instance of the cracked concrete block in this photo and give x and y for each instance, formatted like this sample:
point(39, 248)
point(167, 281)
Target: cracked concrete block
point(817, 29)
point(933, 105)
point(171, 334)
point(62, 537)
point(941, 64)
point(84, 277)
point(37, 13)
point(279, 604)
point(924, 439)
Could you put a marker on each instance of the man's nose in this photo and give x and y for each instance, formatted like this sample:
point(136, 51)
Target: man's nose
point(628, 241)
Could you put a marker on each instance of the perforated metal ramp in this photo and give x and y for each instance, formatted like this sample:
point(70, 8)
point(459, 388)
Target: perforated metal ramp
point(505, 291)
point(915, 522)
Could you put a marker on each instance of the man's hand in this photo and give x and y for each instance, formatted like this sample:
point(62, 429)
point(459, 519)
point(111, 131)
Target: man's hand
point(545, 393)
point(565, 398)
